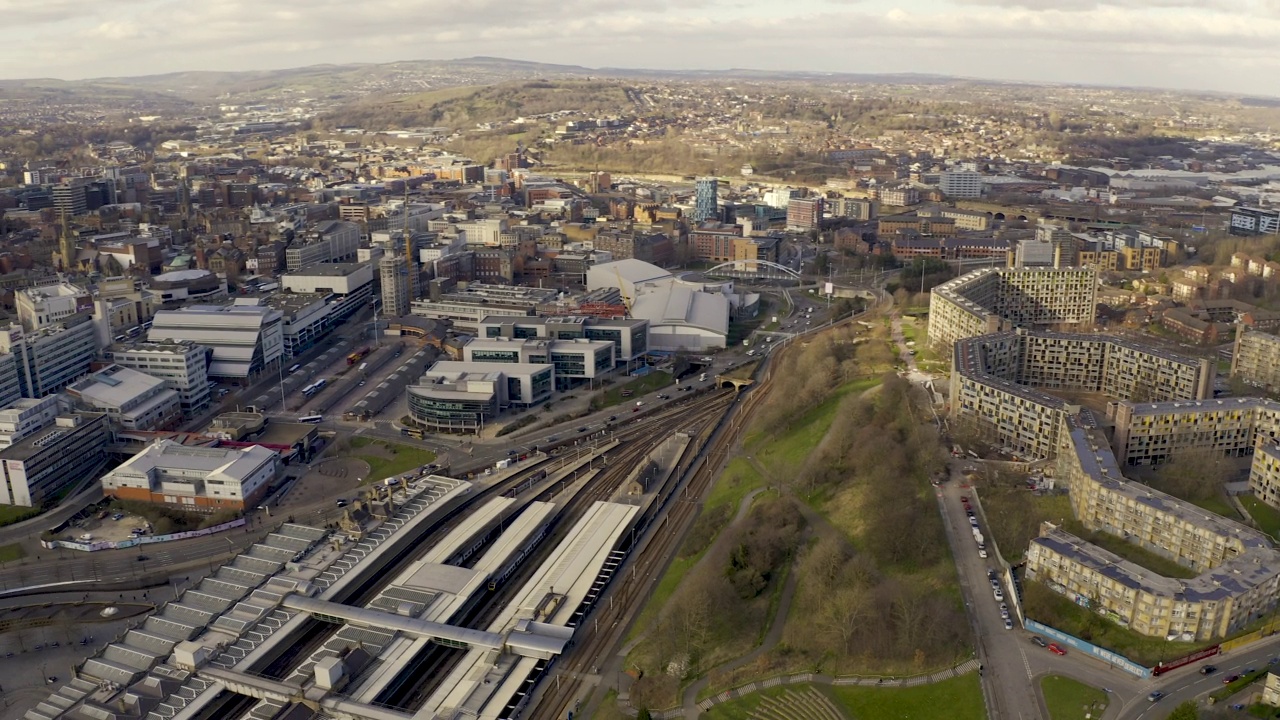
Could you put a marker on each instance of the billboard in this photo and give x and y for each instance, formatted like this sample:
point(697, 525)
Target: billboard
point(829, 289)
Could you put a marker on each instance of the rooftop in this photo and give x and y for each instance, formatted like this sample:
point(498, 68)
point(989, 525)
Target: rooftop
point(327, 269)
point(113, 386)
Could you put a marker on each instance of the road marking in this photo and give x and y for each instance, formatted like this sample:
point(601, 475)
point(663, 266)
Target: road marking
point(1026, 663)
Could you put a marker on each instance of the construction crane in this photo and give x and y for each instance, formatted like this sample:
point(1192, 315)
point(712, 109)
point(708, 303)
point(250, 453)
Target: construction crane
point(622, 290)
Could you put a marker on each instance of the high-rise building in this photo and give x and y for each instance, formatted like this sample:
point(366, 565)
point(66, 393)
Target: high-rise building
point(63, 454)
point(53, 356)
point(398, 285)
point(1249, 221)
point(705, 192)
point(804, 214)
point(960, 183)
point(70, 199)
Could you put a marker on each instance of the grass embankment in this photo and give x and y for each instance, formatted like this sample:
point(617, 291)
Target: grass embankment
point(1068, 699)
point(10, 514)
point(1014, 513)
point(387, 459)
point(1266, 517)
point(639, 386)
point(1060, 612)
point(959, 698)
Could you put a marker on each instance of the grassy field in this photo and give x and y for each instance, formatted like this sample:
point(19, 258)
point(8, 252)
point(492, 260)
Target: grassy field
point(1218, 506)
point(1267, 517)
point(959, 698)
point(738, 479)
point(1071, 700)
point(1060, 612)
point(387, 459)
point(11, 552)
point(639, 386)
point(10, 514)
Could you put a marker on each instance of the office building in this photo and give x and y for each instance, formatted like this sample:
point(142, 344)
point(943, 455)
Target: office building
point(465, 309)
point(464, 396)
point(628, 335)
point(705, 201)
point(1254, 221)
point(1000, 382)
point(804, 214)
point(25, 416)
point(71, 198)
point(200, 479)
point(179, 287)
point(960, 183)
point(306, 319)
point(348, 286)
point(47, 305)
point(10, 385)
point(573, 360)
point(61, 456)
point(854, 208)
point(330, 241)
point(1000, 299)
point(245, 339)
point(51, 358)
point(1255, 358)
point(130, 399)
point(713, 241)
point(183, 366)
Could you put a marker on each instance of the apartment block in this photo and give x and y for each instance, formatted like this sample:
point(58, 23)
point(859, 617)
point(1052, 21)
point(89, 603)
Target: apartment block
point(1255, 358)
point(63, 454)
point(804, 214)
point(1001, 381)
point(999, 299)
point(1239, 568)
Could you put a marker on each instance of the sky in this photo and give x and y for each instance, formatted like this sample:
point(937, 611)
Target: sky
point(1223, 45)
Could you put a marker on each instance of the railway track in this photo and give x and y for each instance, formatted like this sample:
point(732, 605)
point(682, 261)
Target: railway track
point(636, 437)
point(677, 512)
point(438, 660)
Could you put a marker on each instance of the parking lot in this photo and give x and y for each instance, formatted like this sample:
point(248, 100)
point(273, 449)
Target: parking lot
point(114, 528)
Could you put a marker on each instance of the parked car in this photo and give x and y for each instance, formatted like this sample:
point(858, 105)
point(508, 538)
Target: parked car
point(964, 498)
point(999, 594)
point(1057, 649)
point(1037, 640)
point(1008, 624)
point(118, 516)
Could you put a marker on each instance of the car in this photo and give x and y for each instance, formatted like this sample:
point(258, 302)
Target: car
point(511, 452)
point(991, 573)
point(1004, 615)
point(1208, 670)
point(1037, 640)
point(51, 679)
point(1238, 706)
point(994, 583)
point(118, 517)
point(1155, 695)
point(1246, 671)
point(969, 513)
point(968, 507)
point(39, 646)
point(553, 438)
point(361, 383)
point(341, 502)
point(55, 644)
point(1274, 661)
point(1230, 679)
point(612, 418)
point(964, 498)
point(999, 594)
point(582, 429)
point(1057, 649)
point(982, 552)
point(1008, 624)
point(664, 397)
point(143, 558)
point(1004, 607)
point(635, 410)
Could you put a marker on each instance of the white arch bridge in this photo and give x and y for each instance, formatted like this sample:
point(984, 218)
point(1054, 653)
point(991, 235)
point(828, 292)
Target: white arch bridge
point(753, 270)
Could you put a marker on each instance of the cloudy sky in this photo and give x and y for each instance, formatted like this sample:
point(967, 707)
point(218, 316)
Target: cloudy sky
point(1227, 45)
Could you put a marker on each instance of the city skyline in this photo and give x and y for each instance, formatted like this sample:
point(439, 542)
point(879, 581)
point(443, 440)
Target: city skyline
point(1179, 44)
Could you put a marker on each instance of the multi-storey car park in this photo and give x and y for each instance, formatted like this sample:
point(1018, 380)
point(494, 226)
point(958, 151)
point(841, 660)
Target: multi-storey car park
point(999, 381)
point(1001, 299)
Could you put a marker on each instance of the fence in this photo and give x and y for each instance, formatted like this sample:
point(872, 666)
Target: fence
point(143, 540)
point(1265, 631)
point(1107, 656)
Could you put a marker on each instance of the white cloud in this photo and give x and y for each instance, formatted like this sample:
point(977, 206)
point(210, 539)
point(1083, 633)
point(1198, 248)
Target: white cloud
point(1208, 44)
